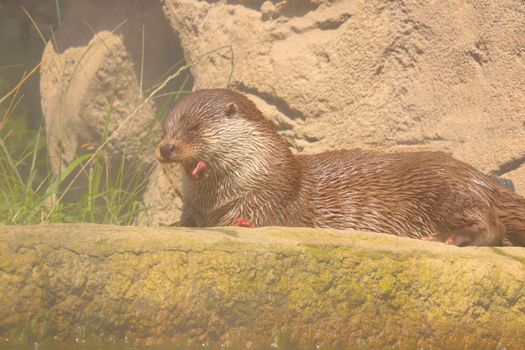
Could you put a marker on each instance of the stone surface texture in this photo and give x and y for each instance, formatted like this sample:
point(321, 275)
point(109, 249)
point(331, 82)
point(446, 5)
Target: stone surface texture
point(393, 75)
point(250, 288)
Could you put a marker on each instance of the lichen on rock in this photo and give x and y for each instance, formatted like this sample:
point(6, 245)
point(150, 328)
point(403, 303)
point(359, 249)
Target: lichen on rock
point(229, 286)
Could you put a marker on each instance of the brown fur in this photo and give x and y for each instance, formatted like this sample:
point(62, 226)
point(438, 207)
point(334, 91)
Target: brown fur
point(253, 175)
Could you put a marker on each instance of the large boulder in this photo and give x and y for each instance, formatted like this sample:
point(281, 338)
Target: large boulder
point(449, 76)
point(396, 75)
point(257, 288)
point(97, 72)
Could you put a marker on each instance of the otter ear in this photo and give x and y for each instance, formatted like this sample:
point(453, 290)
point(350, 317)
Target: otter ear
point(230, 109)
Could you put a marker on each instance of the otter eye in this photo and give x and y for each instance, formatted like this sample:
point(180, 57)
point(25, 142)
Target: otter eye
point(192, 130)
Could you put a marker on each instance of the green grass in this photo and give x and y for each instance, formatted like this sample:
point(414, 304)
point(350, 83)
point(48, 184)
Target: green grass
point(91, 188)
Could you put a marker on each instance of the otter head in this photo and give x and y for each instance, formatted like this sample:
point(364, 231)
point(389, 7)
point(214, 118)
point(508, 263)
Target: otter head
point(214, 131)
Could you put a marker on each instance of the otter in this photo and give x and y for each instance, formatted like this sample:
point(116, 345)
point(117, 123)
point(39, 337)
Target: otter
point(239, 171)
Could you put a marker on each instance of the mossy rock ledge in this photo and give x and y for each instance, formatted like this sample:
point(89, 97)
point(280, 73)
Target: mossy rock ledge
point(257, 288)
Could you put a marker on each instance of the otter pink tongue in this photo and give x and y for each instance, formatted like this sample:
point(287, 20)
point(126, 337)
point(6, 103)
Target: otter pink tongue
point(199, 168)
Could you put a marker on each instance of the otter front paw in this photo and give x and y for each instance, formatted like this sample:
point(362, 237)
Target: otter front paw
point(244, 223)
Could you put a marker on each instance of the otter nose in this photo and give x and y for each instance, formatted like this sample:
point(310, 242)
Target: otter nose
point(166, 150)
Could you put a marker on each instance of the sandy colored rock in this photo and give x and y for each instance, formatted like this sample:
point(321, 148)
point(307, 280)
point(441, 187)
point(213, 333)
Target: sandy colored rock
point(162, 197)
point(302, 287)
point(447, 76)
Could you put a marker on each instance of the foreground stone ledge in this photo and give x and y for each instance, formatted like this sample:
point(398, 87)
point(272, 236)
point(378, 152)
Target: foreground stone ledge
point(227, 286)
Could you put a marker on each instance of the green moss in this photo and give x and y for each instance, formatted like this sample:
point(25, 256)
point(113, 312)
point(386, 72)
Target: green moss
point(153, 286)
point(499, 251)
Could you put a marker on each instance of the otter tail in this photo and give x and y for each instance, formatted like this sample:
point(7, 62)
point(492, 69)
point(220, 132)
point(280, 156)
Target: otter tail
point(512, 214)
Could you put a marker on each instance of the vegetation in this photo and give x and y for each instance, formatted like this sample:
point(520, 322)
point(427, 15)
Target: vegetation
point(81, 192)
point(91, 188)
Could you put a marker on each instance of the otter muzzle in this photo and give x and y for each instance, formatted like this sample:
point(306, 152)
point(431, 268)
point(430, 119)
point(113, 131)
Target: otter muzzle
point(166, 151)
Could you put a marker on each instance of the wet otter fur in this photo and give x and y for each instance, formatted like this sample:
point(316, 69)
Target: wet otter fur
point(238, 170)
